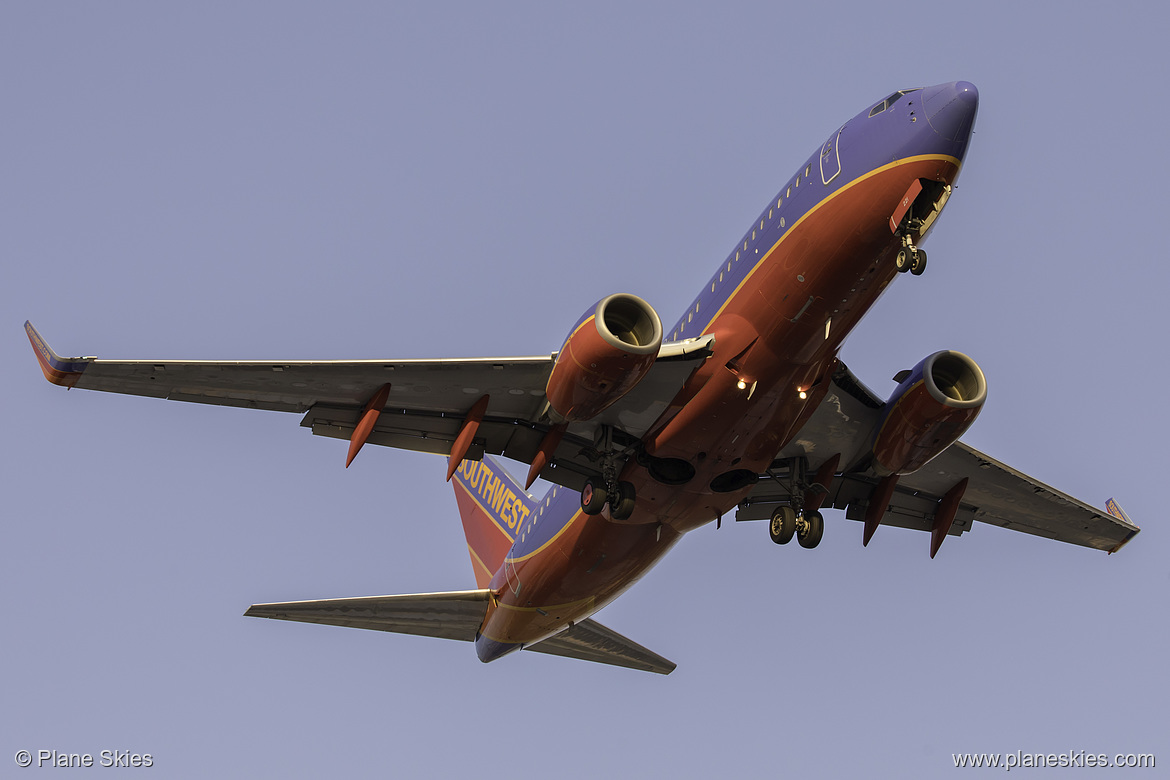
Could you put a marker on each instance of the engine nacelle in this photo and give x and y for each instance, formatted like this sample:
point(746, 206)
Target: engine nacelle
point(935, 402)
point(608, 351)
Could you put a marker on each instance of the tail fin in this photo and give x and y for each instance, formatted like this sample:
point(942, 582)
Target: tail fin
point(493, 506)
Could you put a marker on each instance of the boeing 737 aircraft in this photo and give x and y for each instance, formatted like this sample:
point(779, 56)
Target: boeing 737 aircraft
point(646, 433)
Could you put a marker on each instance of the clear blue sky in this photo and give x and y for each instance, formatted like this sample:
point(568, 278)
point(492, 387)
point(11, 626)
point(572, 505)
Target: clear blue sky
point(371, 180)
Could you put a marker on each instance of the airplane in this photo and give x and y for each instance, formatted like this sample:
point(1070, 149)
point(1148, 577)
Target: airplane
point(646, 434)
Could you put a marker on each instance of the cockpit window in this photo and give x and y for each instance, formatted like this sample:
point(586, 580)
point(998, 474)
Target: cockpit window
point(891, 100)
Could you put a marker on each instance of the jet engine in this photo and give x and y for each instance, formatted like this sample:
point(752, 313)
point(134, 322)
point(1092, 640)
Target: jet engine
point(607, 352)
point(934, 403)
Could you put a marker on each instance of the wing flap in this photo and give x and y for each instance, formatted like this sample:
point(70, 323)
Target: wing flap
point(591, 641)
point(454, 615)
point(1007, 498)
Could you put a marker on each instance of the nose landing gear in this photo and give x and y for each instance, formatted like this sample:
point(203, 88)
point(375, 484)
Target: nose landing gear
point(916, 212)
point(910, 258)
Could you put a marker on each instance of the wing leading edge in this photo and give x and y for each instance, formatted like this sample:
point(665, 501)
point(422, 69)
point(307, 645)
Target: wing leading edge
point(458, 615)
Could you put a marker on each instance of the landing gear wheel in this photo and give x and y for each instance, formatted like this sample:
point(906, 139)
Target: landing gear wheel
point(593, 497)
point(903, 261)
point(919, 263)
point(622, 505)
point(810, 530)
point(783, 525)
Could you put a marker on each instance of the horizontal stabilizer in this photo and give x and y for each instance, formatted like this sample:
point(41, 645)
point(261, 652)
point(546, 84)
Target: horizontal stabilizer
point(454, 615)
point(458, 615)
point(591, 641)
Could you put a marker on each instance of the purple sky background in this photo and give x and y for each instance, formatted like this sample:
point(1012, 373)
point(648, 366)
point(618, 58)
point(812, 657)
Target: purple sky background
point(367, 180)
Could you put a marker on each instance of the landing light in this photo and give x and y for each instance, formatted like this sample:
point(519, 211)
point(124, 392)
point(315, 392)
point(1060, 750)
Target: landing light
point(742, 385)
point(803, 395)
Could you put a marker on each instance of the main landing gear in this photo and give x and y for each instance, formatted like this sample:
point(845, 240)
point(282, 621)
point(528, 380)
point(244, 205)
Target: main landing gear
point(605, 488)
point(808, 527)
point(620, 497)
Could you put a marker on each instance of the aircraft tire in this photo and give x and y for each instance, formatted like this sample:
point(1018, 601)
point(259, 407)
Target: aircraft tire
point(814, 529)
point(623, 505)
point(919, 265)
point(593, 497)
point(902, 262)
point(782, 525)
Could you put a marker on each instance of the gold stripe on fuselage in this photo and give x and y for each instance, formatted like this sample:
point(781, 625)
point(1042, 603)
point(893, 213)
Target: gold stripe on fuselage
point(557, 535)
point(816, 208)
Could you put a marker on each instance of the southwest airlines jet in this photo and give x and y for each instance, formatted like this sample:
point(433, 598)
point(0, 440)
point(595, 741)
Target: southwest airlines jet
point(648, 432)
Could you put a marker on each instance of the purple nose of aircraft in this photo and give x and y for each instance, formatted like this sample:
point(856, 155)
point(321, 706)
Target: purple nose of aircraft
point(951, 108)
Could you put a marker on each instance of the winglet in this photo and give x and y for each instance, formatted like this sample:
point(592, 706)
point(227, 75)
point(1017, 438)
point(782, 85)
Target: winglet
point(1113, 508)
point(58, 370)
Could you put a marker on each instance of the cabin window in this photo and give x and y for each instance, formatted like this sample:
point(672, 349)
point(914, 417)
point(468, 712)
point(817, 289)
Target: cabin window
point(761, 224)
point(753, 237)
point(769, 215)
point(779, 201)
point(798, 180)
point(721, 276)
point(788, 194)
point(712, 286)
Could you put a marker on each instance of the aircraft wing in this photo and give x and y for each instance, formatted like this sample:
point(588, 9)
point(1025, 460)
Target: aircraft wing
point(427, 402)
point(458, 615)
point(995, 494)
